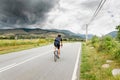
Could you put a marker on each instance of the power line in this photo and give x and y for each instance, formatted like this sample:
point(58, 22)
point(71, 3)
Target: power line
point(102, 2)
point(96, 10)
point(100, 7)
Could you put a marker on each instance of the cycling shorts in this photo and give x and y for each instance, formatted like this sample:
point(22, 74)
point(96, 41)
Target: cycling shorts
point(57, 45)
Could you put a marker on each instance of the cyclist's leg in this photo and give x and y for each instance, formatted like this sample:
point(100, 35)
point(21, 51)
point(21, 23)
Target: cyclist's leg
point(58, 47)
point(58, 50)
point(55, 46)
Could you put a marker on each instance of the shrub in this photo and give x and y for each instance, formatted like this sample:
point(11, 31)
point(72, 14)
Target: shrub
point(95, 41)
point(107, 45)
point(117, 54)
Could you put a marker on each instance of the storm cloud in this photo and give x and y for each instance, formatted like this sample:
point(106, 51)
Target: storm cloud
point(24, 12)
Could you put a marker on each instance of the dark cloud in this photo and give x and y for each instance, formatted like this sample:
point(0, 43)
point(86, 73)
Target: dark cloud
point(23, 12)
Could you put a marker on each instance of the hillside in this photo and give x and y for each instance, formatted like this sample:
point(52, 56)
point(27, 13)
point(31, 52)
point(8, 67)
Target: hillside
point(113, 34)
point(37, 32)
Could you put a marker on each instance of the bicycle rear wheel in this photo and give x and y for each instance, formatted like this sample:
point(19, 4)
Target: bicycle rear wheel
point(55, 56)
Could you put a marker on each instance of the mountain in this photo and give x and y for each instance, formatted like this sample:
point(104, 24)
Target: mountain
point(41, 33)
point(37, 32)
point(113, 34)
point(73, 34)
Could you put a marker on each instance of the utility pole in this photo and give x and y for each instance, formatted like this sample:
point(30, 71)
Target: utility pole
point(86, 32)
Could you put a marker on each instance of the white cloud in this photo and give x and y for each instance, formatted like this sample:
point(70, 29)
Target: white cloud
point(74, 14)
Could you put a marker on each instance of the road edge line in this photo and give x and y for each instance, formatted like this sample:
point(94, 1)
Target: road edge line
point(74, 76)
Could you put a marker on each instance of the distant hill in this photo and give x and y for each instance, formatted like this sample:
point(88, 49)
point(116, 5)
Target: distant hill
point(41, 33)
point(38, 32)
point(113, 34)
point(69, 33)
point(66, 32)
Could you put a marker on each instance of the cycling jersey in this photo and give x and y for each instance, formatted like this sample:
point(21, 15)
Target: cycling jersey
point(57, 42)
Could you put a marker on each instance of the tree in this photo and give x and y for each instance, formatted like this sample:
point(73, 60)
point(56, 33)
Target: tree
point(118, 33)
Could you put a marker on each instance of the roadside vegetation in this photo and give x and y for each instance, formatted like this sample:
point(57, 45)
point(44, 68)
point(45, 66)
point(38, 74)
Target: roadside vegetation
point(96, 53)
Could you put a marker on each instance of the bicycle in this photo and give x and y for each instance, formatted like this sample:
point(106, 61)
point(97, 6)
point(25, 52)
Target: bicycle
point(56, 55)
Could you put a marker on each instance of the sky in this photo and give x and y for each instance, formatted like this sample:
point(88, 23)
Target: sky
point(70, 15)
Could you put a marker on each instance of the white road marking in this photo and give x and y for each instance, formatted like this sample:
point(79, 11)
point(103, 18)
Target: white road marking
point(17, 64)
point(6, 68)
point(74, 76)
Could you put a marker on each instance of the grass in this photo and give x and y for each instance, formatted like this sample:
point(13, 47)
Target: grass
point(91, 65)
point(7, 46)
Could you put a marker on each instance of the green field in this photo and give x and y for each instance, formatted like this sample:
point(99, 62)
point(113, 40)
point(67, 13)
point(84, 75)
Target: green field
point(7, 46)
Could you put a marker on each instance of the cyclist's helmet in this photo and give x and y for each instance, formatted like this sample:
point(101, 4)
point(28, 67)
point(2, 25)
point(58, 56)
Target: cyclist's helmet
point(59, 35)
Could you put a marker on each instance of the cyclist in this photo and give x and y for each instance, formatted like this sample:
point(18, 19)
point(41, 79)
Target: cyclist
point(58, 43)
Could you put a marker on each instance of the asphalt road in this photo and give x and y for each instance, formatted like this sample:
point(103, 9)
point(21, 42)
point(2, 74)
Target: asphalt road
point(38, 64)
